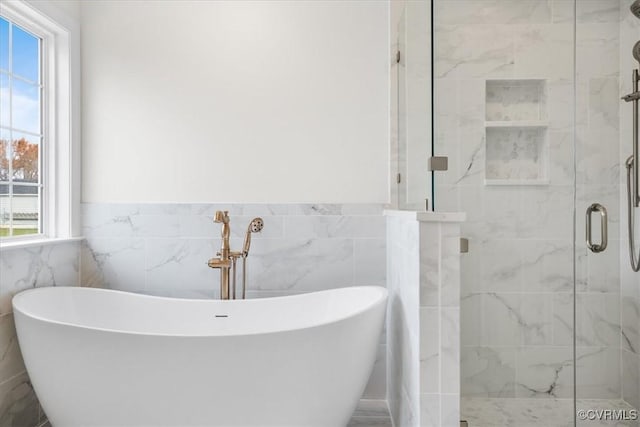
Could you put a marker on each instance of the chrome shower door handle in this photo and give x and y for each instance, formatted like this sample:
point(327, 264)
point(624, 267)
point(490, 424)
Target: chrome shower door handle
point(597, 207)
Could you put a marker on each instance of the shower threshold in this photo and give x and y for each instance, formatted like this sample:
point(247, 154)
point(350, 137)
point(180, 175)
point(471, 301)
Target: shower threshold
point(544, 412)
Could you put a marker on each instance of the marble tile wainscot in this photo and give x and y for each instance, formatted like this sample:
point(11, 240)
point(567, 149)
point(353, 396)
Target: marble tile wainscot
point(423, 318)
point(55, 263)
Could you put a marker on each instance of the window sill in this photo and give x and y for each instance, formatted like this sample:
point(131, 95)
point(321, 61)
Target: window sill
point(37, 242)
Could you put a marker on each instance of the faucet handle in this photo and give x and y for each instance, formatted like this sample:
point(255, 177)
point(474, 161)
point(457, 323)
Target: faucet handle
point(218, 263)
point(221, 216)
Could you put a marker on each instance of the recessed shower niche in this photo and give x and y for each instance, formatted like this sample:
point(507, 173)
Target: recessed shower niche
point(516, 132)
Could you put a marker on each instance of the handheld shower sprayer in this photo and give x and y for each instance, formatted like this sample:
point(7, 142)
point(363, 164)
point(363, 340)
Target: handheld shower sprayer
point(635, 8)
point(255, 226)
point(632, 163)
point(636, 51)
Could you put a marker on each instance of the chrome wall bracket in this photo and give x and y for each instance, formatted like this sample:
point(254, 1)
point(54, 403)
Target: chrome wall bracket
point(633, 167)
point(635, 97)
point(438, 163)
point(464, 245)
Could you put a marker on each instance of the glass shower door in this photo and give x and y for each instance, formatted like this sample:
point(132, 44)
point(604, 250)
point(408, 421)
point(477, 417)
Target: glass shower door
point(528, 109)
point(503, 115)
point(607, 312)
point(629, 39)
point(413, 106)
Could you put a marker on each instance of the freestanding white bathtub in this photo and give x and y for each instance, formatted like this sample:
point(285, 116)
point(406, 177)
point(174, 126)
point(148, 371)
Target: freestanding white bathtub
point(107, 358)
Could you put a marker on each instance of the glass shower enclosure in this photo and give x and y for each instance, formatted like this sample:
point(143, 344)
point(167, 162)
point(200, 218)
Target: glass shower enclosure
point(534, 104)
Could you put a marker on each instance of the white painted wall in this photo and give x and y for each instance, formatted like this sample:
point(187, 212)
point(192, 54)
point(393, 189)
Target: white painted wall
point(235, 101)
point(69, 8)
point(63, 11)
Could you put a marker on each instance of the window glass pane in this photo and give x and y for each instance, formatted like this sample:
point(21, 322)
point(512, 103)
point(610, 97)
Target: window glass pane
point(26, 54)
point(25, 210)
point(25, 104)
point(4, 154)
point(4, 44)
point(4, 99)
point(20, 131)
point(26, 158)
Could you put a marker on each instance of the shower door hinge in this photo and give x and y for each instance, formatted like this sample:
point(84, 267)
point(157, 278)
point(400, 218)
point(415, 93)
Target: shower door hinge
point(397, 57)
point(438, 163)
point(464, 245)
point(398, 179)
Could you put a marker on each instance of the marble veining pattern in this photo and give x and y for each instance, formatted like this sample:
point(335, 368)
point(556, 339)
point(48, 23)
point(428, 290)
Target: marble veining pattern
point(326, 246)
point(515, 153)
point(510, 60)
point(515, 100)
point(423, 321)
point(18, 403)
point(403, 319)
point(55, 264)
point(487, 412)
point(47, 265)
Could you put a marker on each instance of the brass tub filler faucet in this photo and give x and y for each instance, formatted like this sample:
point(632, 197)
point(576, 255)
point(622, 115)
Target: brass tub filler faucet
point(226, 258)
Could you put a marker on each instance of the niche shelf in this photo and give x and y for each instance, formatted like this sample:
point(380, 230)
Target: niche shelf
point(516, 132)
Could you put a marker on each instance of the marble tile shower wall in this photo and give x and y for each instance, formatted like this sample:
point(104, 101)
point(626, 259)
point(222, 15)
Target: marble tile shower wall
point(516, 301)
point(403, 322)
point(162, 249)
point(630, 282)
point(47, 265)
point(423, 319)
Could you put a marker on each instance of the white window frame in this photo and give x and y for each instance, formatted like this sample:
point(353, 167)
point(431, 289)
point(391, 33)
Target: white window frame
point(60, 165)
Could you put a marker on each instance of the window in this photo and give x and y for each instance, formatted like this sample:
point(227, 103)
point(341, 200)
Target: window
point(39, 123)
point(21, 131)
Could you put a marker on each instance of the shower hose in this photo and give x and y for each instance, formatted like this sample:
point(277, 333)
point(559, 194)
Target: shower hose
point(635, 260)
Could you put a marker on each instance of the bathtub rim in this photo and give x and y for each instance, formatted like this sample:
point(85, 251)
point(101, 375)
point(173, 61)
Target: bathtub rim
point(382, 297)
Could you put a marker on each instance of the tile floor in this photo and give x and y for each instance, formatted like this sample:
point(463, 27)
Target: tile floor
point(483, 412)
point(486, 412)
point(369, 413)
